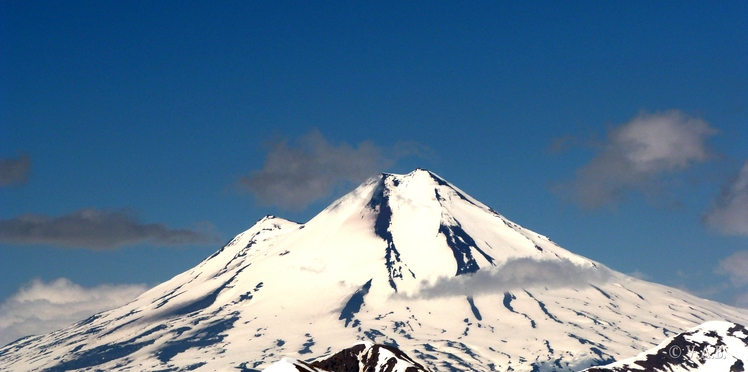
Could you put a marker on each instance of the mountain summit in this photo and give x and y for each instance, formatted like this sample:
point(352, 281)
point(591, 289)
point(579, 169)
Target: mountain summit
point(406, 261)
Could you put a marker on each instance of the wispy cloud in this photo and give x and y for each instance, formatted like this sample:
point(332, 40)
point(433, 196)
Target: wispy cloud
point(514, 274)
point(638, 154)
point(40, 307)
point(14, 171)
point(294, 175)
point(640, 275)
point(741, 300)
point(94, 229)
point(736, 266)
point(729, 214)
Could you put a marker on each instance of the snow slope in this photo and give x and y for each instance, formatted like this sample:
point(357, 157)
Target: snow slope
point(409, 261)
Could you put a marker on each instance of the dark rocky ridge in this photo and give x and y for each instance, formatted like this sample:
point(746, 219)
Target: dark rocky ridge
point(362, 358)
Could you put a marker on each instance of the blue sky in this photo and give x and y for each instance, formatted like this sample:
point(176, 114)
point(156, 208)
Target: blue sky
point(136, 138)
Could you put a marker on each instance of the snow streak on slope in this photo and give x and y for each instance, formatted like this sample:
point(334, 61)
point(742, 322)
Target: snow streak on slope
point(408, 261)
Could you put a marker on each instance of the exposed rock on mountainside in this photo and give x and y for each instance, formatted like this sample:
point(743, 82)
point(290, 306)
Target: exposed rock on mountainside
point(712, 346)
point(362, 357)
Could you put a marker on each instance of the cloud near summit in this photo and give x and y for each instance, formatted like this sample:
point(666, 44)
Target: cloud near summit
point(637, 155)
point(295, 175)
point(515, 274)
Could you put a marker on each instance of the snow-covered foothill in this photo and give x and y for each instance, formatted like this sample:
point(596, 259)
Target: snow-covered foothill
point(712, 346)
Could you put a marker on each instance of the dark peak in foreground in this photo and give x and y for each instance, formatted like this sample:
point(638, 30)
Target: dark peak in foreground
point(362, 357)
point(712, 346)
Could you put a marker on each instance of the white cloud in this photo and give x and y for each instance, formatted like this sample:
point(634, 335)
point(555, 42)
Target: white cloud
point(661, 142)
point(736, 266)
point(729, 214)
point(295, 175)
point(514, 274)
point(640, 275)
point(40, 307)
point(638, 154)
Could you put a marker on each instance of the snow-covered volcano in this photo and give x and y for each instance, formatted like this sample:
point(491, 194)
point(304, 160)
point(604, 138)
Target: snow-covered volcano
point(403, 260)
